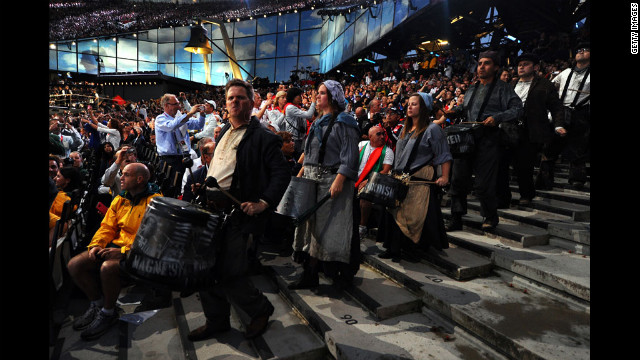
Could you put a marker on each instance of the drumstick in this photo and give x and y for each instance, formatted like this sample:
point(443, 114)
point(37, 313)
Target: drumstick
point(582, 91)
point(421, 182)
point(211, 181)
point(471, 122)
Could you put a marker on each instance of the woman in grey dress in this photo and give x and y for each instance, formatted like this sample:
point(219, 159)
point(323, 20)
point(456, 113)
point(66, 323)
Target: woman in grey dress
point(421, 148)
point(331, 159)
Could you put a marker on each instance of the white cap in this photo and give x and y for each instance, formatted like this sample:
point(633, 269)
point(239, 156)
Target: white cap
point(211, 102)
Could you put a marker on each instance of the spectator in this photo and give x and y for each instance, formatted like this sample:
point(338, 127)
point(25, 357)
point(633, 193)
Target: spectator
point(421, 148)
point(210, 123)
point(295, 116)
point(69, 142)
point(191, 183)
point(331, 157)
point(113, 129)
point(392, 125)
point(375, 156)
point(276, 114)
point(199, 162)
point(54, 164)
point(375, 118)
point(97, 271)
point(111, 178)
point(247, 161)
point(67, 180)
point(172, 140)
point(78, 163)
point(499, 104)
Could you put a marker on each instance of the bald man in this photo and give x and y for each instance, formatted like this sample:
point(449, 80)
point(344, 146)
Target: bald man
point(97, 271)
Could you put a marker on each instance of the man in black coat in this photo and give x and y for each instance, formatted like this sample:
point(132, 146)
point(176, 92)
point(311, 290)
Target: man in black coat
point(248, 163)
point(538, 96)
point(491, 102)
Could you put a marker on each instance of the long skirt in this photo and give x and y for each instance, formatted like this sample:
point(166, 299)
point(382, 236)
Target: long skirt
point(327, 234)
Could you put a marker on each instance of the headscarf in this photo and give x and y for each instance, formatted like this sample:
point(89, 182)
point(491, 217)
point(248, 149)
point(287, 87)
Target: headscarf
point(428, 100)
point(337, 93)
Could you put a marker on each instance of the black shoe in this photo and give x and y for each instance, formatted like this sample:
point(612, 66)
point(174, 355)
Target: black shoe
point(489, 225)
point(155, 303)
point(100, 325)
point(258, 325)
point(83, 321)
point(524, 202)
point(208, 330)
point(454, 225)
point(306, 281)
point(387, 254)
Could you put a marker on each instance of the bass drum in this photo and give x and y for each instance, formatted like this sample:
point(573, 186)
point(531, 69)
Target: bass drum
point(461, 138)
point(299, 197)
point(175, 246)
point(384, 190)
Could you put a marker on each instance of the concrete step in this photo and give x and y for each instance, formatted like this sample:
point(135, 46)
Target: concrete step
point(231, 344)
point(287, 336)
point(576, 211)
point(380, 296)
point(456, 262)
point(551, 267)
point(352, 332)
point(496, 312)
point(152, 335)
point(517, 234)
point(575, 197)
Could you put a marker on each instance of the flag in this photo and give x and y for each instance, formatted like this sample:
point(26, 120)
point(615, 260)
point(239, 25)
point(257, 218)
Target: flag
point(119, 100)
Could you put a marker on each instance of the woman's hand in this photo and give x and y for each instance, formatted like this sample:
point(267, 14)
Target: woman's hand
point(336, 186)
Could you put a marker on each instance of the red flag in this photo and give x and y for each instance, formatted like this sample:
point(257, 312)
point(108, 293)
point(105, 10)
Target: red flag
point(119, 100)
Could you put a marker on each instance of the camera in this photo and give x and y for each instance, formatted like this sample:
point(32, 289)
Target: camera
point(131, 150)
point(61, 125)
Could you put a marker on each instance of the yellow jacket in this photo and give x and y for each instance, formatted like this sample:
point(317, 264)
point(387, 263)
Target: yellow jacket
point(122, 220)
point(56, 208)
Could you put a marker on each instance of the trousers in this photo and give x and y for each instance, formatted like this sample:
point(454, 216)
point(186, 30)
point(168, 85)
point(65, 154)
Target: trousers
point(483, 164)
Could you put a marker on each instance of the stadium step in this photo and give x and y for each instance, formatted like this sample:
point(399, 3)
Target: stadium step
point(489, 308)
point(456, 262)
point(352, 328)
point(512, 232)
point(567, 274)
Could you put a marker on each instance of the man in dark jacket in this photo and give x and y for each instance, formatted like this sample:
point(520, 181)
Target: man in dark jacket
point(538, 96)
point(490, 102)
point(247, 163)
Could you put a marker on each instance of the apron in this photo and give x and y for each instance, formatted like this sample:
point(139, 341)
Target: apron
point(411, 214)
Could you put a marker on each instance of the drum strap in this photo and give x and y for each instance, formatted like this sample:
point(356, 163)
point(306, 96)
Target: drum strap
point(325, 136)
point(486, 98)
point(414, 152)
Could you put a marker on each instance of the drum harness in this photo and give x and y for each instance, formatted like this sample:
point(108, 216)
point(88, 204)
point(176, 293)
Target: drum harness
point(405, 175)
point(323, 146)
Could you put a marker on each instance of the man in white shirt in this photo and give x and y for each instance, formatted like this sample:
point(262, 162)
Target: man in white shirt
point(574, 88)
point(375, 156)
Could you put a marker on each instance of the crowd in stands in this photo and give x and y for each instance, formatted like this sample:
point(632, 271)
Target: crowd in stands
point(80, 19)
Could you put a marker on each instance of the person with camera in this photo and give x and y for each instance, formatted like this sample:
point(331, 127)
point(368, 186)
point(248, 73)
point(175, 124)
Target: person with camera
point(97, 271)
point(110, 181)
point(172, 131)
point(295, 117)
point(69, 142)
